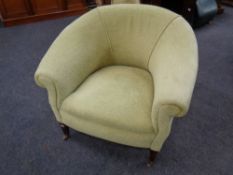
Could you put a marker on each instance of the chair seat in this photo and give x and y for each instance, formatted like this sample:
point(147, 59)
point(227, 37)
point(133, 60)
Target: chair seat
point(115, 96)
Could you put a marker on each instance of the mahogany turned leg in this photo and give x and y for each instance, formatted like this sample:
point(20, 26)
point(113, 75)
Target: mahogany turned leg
point(65, 130)
point(152, 157)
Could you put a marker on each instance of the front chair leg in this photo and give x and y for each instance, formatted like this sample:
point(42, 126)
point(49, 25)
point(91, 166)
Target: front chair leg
point(152, 157)
point(65, 130)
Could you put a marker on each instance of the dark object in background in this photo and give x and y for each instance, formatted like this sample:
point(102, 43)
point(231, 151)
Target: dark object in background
point(186, 8)
point(196, 12)
point(220, 8)
point(206, 10)
point(227, 2)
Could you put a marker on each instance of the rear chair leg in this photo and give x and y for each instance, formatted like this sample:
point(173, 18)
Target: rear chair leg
point(152, 157)
point(65, 130)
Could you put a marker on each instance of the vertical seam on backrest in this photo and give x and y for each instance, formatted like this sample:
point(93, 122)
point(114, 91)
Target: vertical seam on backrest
point(161, 34)
point(105, 30)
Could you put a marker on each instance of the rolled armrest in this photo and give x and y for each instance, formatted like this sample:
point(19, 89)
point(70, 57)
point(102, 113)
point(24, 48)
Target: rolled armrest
point(78, 51)
point(173, 65)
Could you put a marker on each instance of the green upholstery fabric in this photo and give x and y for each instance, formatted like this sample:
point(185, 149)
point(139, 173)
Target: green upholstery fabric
point(119, 97)
point(114, 96)
point(122, 73)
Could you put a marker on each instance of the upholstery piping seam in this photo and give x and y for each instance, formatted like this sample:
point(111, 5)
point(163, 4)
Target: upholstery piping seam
point(160, 36)
point(56, 100)
point(158, 116)
point(105, 30)
point(56, 94)
point(105, 124)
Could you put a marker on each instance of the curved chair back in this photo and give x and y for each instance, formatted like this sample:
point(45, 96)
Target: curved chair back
point(133, 31)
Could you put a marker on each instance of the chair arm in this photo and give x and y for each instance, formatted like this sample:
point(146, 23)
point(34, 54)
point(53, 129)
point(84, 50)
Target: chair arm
point(173, 65)
point(78, 51)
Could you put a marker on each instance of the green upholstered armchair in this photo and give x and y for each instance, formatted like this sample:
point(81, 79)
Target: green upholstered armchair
point(122, 73)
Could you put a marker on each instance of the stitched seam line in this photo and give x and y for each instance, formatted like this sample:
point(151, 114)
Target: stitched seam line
point(160, 36)
point(105, 30)
point(56, 93)
point(157, 122)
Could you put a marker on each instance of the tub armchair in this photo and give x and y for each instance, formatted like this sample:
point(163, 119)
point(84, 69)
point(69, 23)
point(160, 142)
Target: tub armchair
point(122, 73)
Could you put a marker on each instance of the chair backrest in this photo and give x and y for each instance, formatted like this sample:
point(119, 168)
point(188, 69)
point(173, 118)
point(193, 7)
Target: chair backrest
point(133, 31)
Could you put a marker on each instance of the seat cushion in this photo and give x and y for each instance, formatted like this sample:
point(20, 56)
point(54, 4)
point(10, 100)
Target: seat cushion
point(115, 96)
